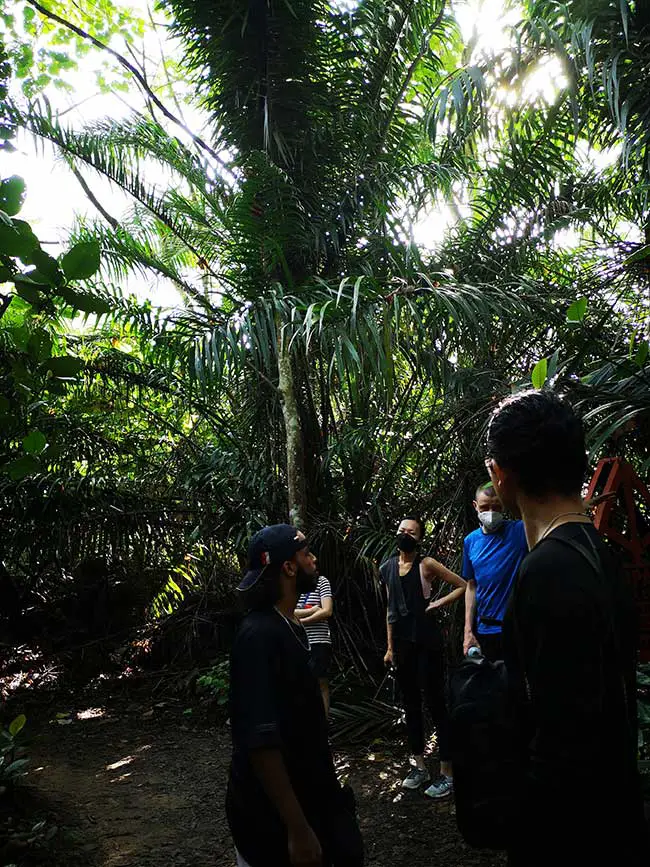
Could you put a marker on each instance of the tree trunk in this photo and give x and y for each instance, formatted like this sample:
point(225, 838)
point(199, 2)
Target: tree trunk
point(295, 455)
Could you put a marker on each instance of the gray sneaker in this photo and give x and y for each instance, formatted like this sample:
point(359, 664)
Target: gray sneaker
point(441, 788)
point(415, 779)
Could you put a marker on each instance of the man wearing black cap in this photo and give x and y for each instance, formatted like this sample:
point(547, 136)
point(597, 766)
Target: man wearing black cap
point(285, 805)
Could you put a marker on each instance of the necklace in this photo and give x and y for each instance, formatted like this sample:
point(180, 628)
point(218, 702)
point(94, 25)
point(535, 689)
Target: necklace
point(304, 646)
point(563, 515)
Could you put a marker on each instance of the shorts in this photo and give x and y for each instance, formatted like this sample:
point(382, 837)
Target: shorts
point(321, 659)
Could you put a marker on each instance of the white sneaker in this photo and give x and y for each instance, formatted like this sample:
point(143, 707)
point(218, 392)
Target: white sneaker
point(442, 788)
point(416, 778)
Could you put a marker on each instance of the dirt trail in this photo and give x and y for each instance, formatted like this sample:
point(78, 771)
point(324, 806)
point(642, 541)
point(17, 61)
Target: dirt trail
point(142, 789)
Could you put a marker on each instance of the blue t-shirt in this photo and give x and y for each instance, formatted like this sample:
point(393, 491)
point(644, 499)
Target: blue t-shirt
point(493, 560)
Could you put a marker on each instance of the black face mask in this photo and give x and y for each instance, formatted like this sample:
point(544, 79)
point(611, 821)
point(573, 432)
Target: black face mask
point(406, 543)
point(305, 583)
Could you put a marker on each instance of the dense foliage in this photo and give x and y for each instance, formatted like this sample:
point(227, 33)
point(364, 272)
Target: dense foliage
point(321, 363)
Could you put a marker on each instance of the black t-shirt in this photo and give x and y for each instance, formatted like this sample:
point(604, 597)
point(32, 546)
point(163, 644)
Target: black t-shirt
point(275, 702)
point(569, 645)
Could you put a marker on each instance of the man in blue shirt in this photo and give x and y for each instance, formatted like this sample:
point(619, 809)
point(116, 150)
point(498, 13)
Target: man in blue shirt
point(492, 555)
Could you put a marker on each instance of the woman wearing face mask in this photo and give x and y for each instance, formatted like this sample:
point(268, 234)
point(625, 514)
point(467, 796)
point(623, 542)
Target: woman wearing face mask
point(416, 648)
point(492, 555)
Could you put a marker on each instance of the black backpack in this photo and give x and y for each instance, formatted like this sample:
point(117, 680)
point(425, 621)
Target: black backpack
point(484, 753)
point(485, 741)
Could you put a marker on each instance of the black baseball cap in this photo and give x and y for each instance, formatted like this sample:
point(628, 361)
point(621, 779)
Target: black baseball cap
point(275, 544)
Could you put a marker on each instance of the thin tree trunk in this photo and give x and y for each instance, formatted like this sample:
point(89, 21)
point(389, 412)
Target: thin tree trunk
point(295, 455)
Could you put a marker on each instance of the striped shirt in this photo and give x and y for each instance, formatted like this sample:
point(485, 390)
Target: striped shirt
point(318, 633)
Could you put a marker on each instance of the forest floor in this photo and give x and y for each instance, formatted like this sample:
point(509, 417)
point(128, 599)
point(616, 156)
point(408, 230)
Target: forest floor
point(142, 785)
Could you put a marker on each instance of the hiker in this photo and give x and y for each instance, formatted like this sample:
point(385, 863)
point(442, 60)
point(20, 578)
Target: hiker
point(416, 648)
point(570, 650)
point(313, 611)
point(492, 555)
point(284, 804)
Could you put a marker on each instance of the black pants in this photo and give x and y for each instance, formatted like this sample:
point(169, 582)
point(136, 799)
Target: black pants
point(262, 839)
point(420, 669)
point(491, 645)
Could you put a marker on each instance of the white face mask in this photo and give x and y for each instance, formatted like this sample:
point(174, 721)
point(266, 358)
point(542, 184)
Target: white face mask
point(490, 521)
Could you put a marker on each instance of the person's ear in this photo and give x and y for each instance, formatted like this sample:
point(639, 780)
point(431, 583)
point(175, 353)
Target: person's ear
point(290, 568)
point(475, 504)
point(499, 475)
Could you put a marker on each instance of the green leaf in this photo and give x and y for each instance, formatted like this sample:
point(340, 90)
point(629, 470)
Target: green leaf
point(22, 467)
point(48, 267)
point(5, 405)
point(34, 443)
point(29, 292)
point(84, 302)
point(538, 375)
point(641, 354)
point(17, 239)
point(17, 725)
point(576, 312)
point(640, 254)
point(40, 345)
point(15, 767)
point(81, 261)
point(65, 365)
point(12, 195)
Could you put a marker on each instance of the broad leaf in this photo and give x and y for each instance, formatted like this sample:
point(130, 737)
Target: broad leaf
point(12, 195)
point(35, 442)
point(48, 267)
point(22, 467)
point(576, 312)
point(16, 768)
point(28, 292)
point(65, 365)
point(84, 302)
point(17, 239)
point(539, 373)
point(17, 725)
point(82, 261)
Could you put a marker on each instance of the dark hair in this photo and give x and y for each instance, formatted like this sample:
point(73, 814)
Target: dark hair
point(418, 520)
point(539, 437)
point(265, 592)
point(485, 488)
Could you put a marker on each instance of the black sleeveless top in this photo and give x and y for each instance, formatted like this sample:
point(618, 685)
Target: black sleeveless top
point(417, 626)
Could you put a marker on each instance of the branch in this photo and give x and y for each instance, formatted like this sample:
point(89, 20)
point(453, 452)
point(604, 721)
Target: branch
point(90, 195)
point(409, 75)
point(139, 78)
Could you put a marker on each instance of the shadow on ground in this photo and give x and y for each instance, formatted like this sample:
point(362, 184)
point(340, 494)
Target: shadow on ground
point(143, 788)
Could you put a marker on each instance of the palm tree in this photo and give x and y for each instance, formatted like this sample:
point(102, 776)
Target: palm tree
point(294, 251)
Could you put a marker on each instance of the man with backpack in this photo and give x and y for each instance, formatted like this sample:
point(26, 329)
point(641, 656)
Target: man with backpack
point(492, 555)
point(284, 804)
point(569, 645)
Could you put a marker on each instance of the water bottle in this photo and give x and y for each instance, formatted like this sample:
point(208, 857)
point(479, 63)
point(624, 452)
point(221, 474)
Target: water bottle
point(474, 653)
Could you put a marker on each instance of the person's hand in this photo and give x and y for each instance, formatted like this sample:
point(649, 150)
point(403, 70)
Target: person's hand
point(437, 603)
point(596, 501)
point(470, 641)
point(388, 657)
point(304, 848)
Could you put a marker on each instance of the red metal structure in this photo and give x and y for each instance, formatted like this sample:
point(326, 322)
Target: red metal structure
point(624, 519)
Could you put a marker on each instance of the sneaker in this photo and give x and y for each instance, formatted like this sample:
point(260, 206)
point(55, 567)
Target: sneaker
point(442, 788)
point(415, 779)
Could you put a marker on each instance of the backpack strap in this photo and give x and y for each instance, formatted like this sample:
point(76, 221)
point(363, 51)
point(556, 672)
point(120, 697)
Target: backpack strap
point(592, 556)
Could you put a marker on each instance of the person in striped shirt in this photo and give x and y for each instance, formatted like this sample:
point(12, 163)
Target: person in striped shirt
point(314, 610)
